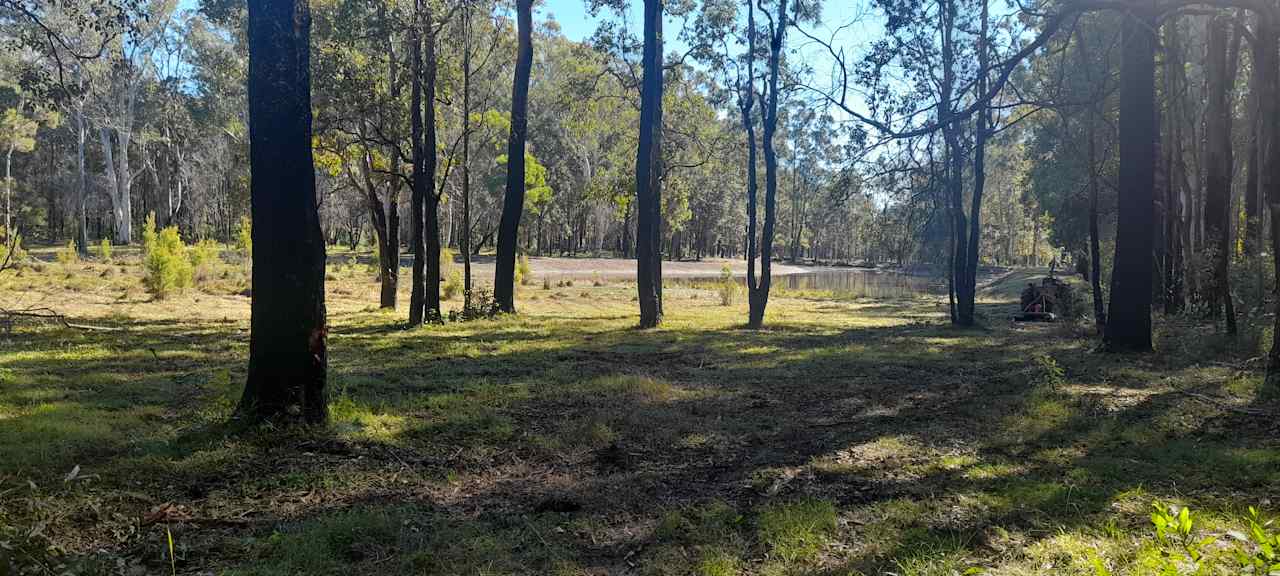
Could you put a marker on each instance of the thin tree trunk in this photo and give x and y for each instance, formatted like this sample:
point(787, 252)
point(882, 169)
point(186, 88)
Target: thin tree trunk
point(466, 156)
point(421, 187)
point(513, 200)
point(287, 353)
point(1218, 160)
point(758, 296)
point(431, 281)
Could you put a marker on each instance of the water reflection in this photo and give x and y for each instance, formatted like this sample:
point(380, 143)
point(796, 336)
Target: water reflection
point(847, 283)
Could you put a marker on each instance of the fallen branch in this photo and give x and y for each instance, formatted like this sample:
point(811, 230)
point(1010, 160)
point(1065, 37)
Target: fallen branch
point(1221, 404)
point(49, 314)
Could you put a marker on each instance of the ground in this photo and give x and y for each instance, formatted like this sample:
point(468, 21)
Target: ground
point(851, 436)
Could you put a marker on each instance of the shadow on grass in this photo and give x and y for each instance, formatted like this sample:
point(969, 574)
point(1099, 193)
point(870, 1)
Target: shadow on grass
point(549, 442)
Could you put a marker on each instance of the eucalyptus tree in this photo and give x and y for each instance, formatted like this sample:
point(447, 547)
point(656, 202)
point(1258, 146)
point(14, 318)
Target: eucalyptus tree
point(513, 200)
point(287, 337)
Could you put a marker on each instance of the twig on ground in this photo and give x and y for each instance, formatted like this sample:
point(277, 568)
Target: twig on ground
point(50, 314)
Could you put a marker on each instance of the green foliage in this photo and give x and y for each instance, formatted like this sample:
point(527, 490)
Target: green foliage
point(206, 259)
point(104, 250)
point(67, 255)
point(524, 272)
point(166, 265)
point(728, 288)
point(452, 286)
point(244, 237)
point(1181, 547)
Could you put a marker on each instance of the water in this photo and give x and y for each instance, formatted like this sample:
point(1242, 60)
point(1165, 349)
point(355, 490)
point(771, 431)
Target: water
point(861, 283)
point(849, 283)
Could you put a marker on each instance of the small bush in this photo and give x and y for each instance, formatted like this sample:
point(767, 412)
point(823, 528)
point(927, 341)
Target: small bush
point(166, 265)
point(728, 288)
point(524, 273)
point(546, 283)
point(452, 285)
point(206, 259)
point(67, 255)
point(15, 244)
point(244, 237)
point(104, 250)
point(446, 263)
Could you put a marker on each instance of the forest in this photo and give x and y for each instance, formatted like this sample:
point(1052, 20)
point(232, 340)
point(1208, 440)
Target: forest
point(653, 288)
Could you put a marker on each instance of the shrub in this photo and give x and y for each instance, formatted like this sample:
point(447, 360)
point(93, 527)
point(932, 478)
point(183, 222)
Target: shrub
point(523, 270)
point(67, 254)
point(104, 250)
point(244, 237)
point(206, 259)
point(166, 265)
point(446, 263)
point(546, 283)
point(15, 244)
point(452, 285)
point(728, 288)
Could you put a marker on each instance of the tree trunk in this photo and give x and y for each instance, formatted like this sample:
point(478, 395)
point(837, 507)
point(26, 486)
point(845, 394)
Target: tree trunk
point(758, 292)
point(746, 95)
point(649, 173)
point(981, 134)
point(287, 354)
point(1218, 168)
point(466, 156)
point(1174, 233)
point(421, 186)
point(388, 267)
point(1129, 324)
point(431, 282)
point(82, 181)
point(962, 313)
point(504, 289)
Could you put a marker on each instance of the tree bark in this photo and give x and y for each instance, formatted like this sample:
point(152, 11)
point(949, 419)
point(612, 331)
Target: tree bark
point(431, 301)
point(1129, 324)
point(504, 289)
point(466, 156)
point(421, 186)
point(649, 172)
point(1218, 168)
point(758, 292)
point(287, 353)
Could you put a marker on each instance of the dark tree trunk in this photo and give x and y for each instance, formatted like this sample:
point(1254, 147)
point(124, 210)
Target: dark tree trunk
point(1095, 250)
point(1174, 233)
point(1218, 160)
point(504, 289)
point(431, 261)
point(981, 134)
point(287, 355)
point(1269, 178)
point(746, 105)
point(466, 156)
point(388, 264)
point(758, 290)
point(1129, 324)
point(962, 307)
point(421, 186)
point(649, 173)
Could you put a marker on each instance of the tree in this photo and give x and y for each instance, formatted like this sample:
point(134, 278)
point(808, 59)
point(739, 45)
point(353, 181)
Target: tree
point(287, 350)
point(1219, 162)
point(17, 134)
point(649, 172)
point(1129, 321)
point(513, 200)
point(758, 289)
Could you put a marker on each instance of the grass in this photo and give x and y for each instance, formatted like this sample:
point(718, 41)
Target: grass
point(851, 436)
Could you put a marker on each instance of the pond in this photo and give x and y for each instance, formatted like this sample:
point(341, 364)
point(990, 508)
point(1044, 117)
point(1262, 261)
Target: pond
point(848, 283)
